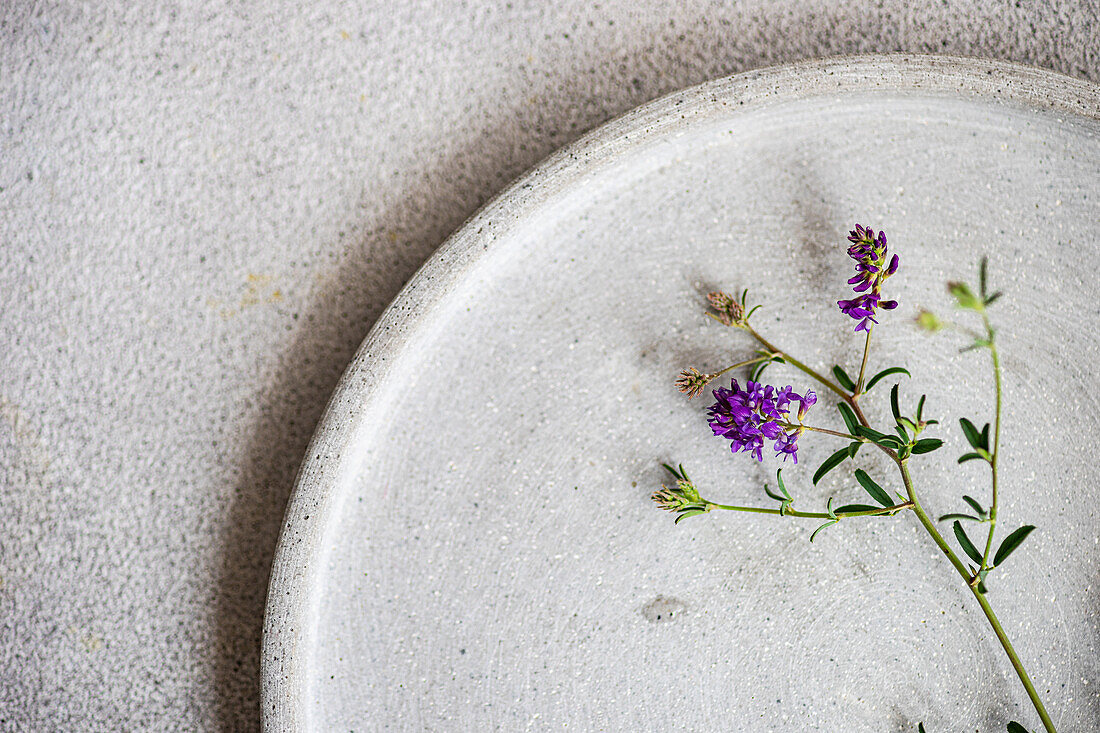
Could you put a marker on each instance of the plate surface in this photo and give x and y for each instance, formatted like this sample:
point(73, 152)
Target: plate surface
point(471, 544)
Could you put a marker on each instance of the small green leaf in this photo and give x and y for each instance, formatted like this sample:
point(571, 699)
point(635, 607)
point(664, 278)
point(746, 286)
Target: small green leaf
point(830, 523)
point(829, 508)
point(849, 417)
point(853, 448)
point(908, 425)
point(830, 463)
point(900, 430)
point(972, 435)
point(782, 486)
point(773, 495)
point(945, 517)
point(683, 473)
point(855, 508)
point(688, 513)
point(920, 728)
point(985, 436)
point(927, 445)
point(1014, 727)
point(993, 298)
point(969, 457)
point(843, 378)
point(1011, 543)
point(974, 505)
point(673, 471)
point(965, 543)
point(883, 374)
point(894, 408)
point(870, 433)
point(920, 406)
point(752, 310)
point(877, 492)
point(757, 370)
point(982, 276)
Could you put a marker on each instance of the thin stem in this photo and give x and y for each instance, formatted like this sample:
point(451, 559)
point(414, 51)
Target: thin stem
point(813, 515)
point(1013, 657)
point(996, 440)
point(863, 366)
point(796, 363)
point(846, 436)
point(740, 364)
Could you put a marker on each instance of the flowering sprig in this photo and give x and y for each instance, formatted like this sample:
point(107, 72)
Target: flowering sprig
point(758, 413)
point(870, 253)
point(747, 417)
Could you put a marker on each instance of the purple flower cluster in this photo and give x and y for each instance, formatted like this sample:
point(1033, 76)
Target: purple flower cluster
point(746, 417)
point(870, 253)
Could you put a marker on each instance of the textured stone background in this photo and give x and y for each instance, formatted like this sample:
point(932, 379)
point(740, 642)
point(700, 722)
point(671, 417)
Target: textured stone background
point(203, 208)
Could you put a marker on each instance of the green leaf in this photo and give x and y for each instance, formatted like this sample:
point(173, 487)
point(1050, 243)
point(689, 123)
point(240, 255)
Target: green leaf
point(870, 433)
point(843, 378)
point(945, 517)
point(920, 728)
point(829, 508)
point(982, 276)
point(752, 310)
point(900, 430)
point(757, 370)
point(993, 298)
point(688, 513)
point(965, 543)
point(972, 435)
point(830, 523)
point(894, 403)
point(1011, 543)
point(927, 445)
point(849, 417)
point(855, 508)
point(877, 492)
point(908, 425)
point(969, 457)
point(920, 406)
point(985, 436)
point(673, 471)
point(883, 374)
point(974, 505)
point(830, 463)
point(773, 495)
point(1014, 727)
point(779, 480)
point(853, 448)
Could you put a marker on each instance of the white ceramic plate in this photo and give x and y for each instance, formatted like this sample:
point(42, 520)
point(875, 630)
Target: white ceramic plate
point(471, 544)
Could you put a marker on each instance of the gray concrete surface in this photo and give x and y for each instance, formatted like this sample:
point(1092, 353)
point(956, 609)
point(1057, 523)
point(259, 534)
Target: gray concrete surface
point(203, 208)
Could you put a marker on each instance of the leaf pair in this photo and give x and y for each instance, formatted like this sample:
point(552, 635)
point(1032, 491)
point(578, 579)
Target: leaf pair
point(978, 440)
point(1008, 545)
point(849, 384)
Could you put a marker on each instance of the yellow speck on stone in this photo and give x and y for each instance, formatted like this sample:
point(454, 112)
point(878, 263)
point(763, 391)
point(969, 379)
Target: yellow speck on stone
point(345, 35)
point(392, 236)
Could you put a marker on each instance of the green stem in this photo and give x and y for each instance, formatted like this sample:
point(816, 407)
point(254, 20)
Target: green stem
point(740, 364)
point(796, 363)
point(863, 366)
point(812, 515)
point(826, 431)
point(1013, 657)
point(996, 441)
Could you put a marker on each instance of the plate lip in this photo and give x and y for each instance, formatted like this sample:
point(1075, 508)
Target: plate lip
point(286, 622)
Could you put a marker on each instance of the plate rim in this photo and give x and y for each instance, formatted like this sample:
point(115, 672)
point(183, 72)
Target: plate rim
point(286, 620)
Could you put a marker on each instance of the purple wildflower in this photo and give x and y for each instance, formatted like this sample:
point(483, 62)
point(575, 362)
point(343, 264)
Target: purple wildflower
point(747, 417)
point(872, 269)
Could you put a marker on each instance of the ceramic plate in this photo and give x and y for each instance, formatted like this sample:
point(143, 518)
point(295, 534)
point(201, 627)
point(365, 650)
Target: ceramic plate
point(471, 544)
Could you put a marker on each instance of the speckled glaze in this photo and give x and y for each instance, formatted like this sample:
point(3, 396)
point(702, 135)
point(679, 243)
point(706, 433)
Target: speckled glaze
point(470, 544)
